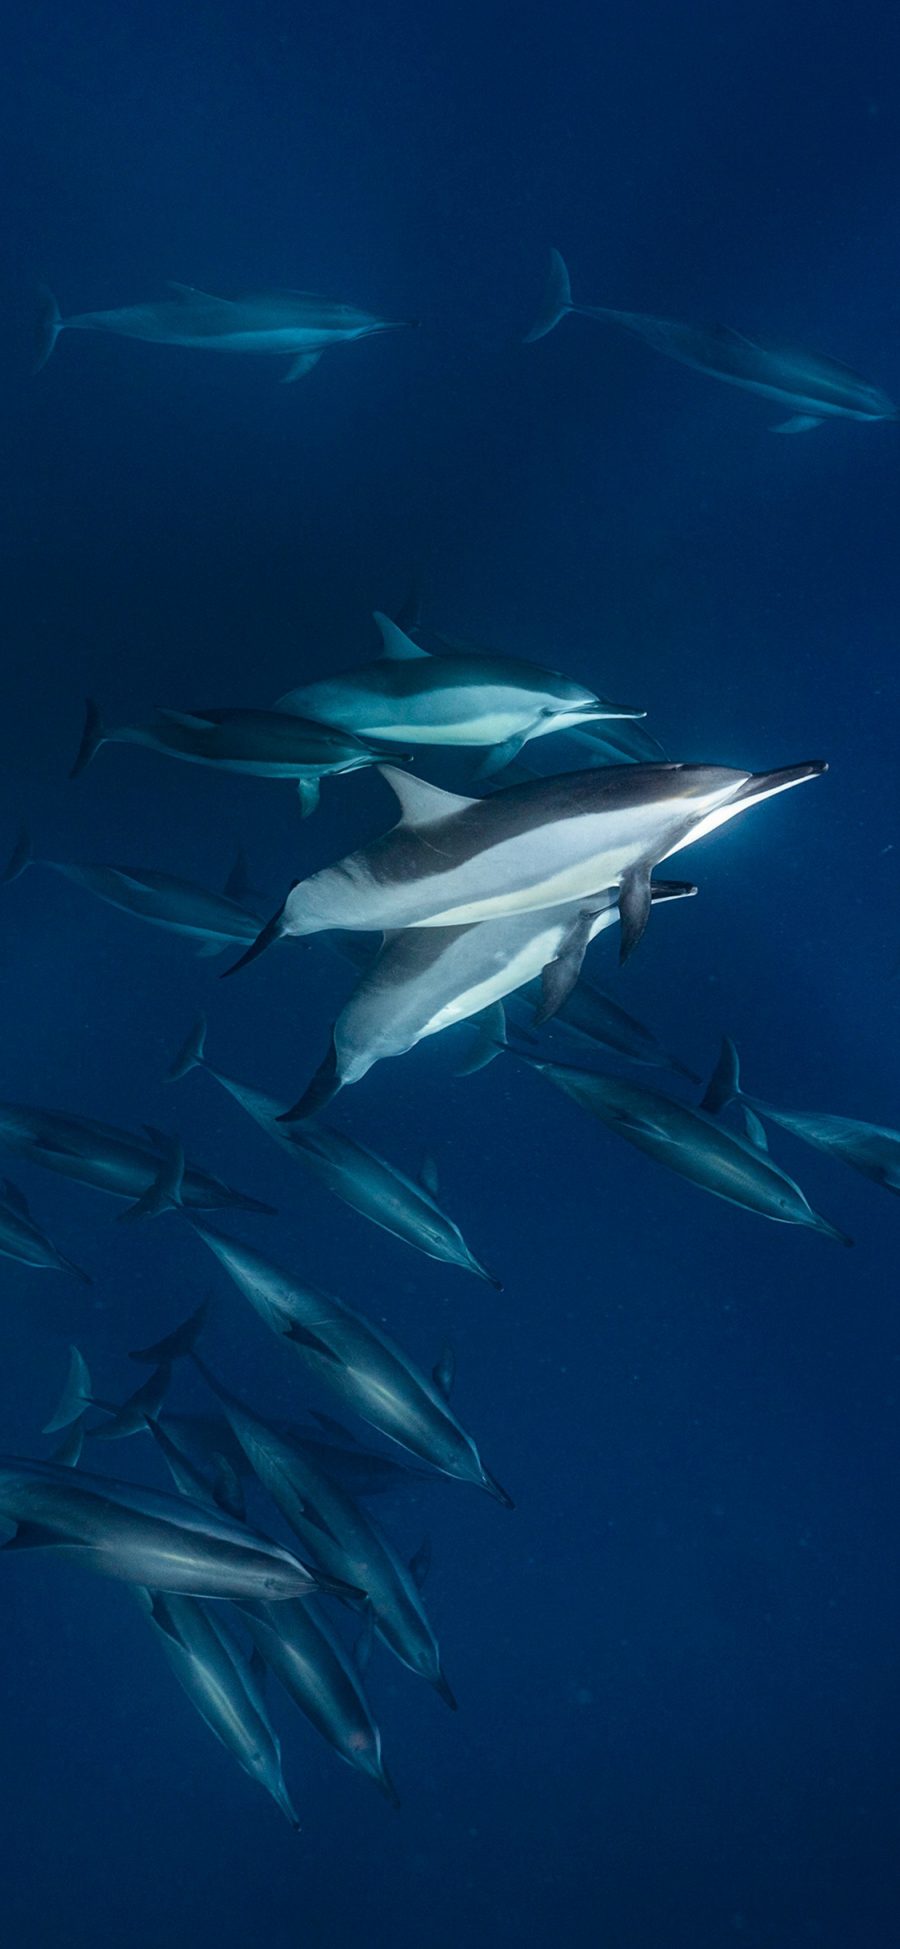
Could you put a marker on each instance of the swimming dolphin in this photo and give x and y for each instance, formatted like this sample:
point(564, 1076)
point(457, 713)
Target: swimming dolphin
point(214, 919)
point(339, 1538)
point(813, 387)
point(350, 1355)
point(589, 1014)
point(360, 1470)
point(451, 860)
point(475, 699)
point(690, 1142)
point(316, 1673)
point(141, 1536)
point(426, 979)
point(872, 1148)
point(109, 1159)
point(257, 744)
point(376, 1189)
point(295, 325)
point(22, 1239)
point(222, 1684)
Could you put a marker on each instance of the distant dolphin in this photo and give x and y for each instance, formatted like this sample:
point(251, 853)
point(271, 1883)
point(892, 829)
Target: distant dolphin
point(22, 1239)
point(815, 388)
point(316, 1673)
point(872, 1148)
point(451, 860)
point(214, 919)
point(692, 1143)
point(258, 744)
point(223, 1685)
point(589, 1014)
point(426, 979)
point(110, 1160)
point(378, 1190)
point(360, 1470)
point(295, 325)
point(476, 699)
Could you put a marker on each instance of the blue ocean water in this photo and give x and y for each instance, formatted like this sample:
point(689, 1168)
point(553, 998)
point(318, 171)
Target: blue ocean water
point(676, 1660)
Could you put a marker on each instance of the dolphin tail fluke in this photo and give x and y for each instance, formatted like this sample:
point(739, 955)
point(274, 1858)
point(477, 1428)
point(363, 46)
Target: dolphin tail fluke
point(724, 1085)
point(177, 1344)
point(164, 1193)
point(557, 300)
point(191, 1054)
point(92, 737)
point(324, 1085)
point(47, 330)
point(22, 855)
point(76, 1396)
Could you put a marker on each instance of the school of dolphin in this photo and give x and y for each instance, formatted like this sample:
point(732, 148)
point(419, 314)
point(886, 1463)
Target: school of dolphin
point(476, 906)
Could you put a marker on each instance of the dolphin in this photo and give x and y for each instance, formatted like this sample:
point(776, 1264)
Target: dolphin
point(339, 1538)
point(690, 1142)
point(590, 1015)
point(872, 1148)
point(215, 920)
point(109, 1159)
point(376, 1189)
point(474, 699)
point(812, 387)
point(21, 1237)
point(360, 1470)
point(367, 1371)
point(450, 859)
point(257, 744)
point(317, 1674)
point(222, 1684)
point(294, 325)
point(141, 1536)
point(430, 978)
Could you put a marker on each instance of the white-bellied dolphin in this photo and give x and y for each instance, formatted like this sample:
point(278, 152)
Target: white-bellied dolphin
point(872, 1148)
point(112, 1160)
point(316, 1673)
point(214, 920)
point(294, 325)
point(23, 1239)
point(814, 388)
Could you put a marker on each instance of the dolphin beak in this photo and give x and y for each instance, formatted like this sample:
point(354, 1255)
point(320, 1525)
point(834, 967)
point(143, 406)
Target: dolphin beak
point(765, 784)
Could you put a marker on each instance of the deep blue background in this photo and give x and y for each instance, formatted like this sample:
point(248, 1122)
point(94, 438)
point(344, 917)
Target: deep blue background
point(676, 1661)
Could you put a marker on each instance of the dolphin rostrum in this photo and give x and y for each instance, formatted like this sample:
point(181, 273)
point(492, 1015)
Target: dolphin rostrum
point(692, 1143)
point(566, 838)
point(109, 1159)
point(316, 1673)
point(22, 1239)
point(215, 920)
point(223, 1685)
point(294, 325)
point(814, 388)
point(872, 1148)
point(471, 699)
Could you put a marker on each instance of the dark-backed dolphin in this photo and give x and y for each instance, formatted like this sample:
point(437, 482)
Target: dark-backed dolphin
point(872, 1148)
point(111, 1160)
point(23, 1239)
point(814, 388)
point(215, 920)
point(317, 1674)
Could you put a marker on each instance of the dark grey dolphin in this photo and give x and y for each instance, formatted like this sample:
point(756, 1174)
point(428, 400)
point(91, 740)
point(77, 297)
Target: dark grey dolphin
point(356, 1361)
point(109, 1159)
point(452, 860)
point(592, 1015)
point(214, 919)
point(205, 1441)
point(294, 325)
point(692, 1143)
point(813, 387)
point(222, 1685)
point(22, 1239)
point(257, 744)
point(317, 1674)
point(376, 1189)
point(872, 1148)
point(141, 1536)
point(476, 699)
point(339, 1538)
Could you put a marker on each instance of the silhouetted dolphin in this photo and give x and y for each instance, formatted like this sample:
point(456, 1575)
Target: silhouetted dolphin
point(315, 1671)
point(872, 1148)
point(22, 1239)
point(813, 387)
point(213, 919)
point(109, 1159)
point(294, 325)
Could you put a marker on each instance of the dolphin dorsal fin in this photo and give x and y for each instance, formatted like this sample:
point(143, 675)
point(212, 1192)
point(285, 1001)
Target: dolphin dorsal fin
point(422, 803)
point(395, 642)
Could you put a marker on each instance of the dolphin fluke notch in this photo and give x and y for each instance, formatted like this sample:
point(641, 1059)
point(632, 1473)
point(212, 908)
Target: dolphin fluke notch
point(92, 737)
point(48, 326)
point(556, 302)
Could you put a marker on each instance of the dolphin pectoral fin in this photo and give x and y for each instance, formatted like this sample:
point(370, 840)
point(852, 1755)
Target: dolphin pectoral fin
point(490, 1040)
point(635, 901)
point(300, 366)
point(754, 1128)
point(302, 1336)
point(559, 976)
point(798, 423)
point(308, 791)
point(557, 300)
point(420, 1564)
point(394, 641)
point(724, 1085)
point(501, 755)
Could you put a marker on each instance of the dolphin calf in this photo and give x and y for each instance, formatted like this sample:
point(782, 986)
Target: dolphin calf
point(812, 387)
point(257, 744)
point(222, 1684)
point(872, 1148)
point(426, 979)
point(144, 1537)
point(473, 699)
point(294, 325)
point(339, 1538)
point(21, 1237)
point(317, 1674)
point(109, 1159)
point(566, 838)
point(215, 920)
point(356, 1361)
point(376, 1189)
point(692, 1143)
